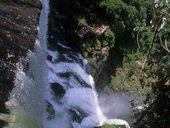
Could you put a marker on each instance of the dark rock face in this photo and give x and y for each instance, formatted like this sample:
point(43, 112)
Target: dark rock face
point(62, 25)
point(50, 110)
point(58, 90)
point(18, 30)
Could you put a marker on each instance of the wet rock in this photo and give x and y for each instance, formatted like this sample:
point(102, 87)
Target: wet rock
point(2, 124)
point(62, 25)
point(18, 31)
point(77, 115)
point(58, 90)
point(50, 110)
point(6, 83)
point(79, 80)
point(49, 58)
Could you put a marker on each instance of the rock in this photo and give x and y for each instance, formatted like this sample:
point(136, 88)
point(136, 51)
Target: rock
point(58, 90)
point(77, 115)
point(2, 124)
point(81, 82)
point(62, 25)
point(18, 31)
point(97, 31)
point(50, 110)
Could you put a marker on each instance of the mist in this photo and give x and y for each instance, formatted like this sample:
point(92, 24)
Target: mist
point(116, 105)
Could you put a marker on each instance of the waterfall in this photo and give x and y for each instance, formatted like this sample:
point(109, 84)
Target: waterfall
point(56, 91)
point(26, 101)
point(67, 71)
point(70, 93)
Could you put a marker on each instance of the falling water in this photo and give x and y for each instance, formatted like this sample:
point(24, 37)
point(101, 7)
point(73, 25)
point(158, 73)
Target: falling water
point(67, 70)
point(26, 102)
point(57, 91)
point(71, 94)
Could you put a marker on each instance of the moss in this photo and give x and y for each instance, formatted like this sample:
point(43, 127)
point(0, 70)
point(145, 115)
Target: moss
point(85, 54)
point(110, 126)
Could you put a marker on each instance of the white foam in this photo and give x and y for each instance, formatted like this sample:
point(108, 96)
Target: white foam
point(62, 67)
point(85, 99)
point(77, 97)
point(53, 78)
point(73, 82)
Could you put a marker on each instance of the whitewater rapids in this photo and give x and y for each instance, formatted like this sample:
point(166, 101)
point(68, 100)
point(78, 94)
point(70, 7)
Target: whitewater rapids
point(57, 91)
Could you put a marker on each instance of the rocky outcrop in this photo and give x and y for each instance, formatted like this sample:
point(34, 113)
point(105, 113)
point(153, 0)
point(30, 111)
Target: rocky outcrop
point(18, 30)
point(62, 25)
point(97, 31)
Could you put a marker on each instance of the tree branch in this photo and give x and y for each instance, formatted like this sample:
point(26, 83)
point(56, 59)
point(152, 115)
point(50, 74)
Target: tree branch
point(153, 40)
point(164, 46)
point(137, 36)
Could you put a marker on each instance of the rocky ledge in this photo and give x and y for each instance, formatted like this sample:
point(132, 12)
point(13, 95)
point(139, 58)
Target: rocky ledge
point(18, 31)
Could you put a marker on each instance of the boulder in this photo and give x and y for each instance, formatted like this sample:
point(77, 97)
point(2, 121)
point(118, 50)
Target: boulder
point(58, 90)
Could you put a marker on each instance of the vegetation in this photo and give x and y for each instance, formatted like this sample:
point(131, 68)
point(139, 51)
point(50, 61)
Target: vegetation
point(132, 55)
point(110, 126)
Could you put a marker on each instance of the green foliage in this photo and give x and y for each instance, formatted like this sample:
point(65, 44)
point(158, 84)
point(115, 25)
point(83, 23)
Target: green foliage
point(157, 100)
point(82, 22)
point(139, 30)
point(132, 80)
point(134, 56)
point(145, 39)
point(110, 38)
point(112, 8)
point(98, 44)
point(158, 66)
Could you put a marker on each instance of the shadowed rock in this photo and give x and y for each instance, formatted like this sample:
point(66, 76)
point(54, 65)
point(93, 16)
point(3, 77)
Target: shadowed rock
point(77, 115)
point(2, 124)
point(77, 78)
point(58, 90)
point(50, 110)
point(49, 58)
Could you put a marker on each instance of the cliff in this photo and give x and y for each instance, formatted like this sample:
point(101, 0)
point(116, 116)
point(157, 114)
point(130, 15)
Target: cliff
point(18, 31)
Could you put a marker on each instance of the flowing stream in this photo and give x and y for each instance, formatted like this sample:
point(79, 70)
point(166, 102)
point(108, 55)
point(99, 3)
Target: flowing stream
point(57, 91)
